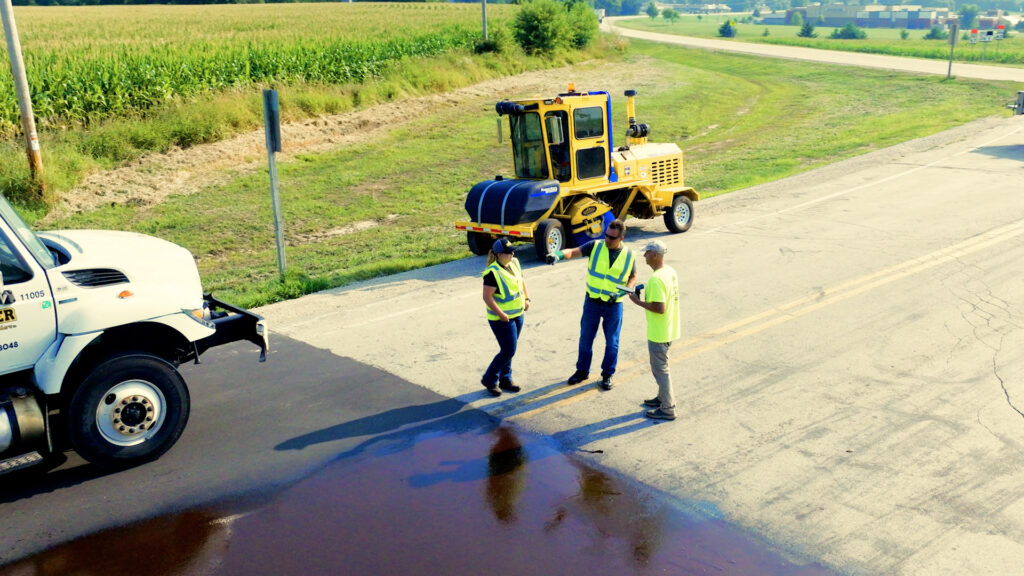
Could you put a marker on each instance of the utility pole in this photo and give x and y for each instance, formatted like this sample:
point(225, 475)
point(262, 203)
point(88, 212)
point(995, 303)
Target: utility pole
point(483, 3)
point(28, 122)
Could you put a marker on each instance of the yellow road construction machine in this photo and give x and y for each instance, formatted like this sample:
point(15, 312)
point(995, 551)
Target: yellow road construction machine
point(571, 180)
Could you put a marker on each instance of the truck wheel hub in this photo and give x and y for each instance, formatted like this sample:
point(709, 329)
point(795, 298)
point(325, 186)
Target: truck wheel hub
point(130, 413)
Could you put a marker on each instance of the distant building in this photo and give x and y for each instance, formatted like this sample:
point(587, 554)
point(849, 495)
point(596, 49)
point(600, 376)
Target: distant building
point(871, 16)
point(701, 8)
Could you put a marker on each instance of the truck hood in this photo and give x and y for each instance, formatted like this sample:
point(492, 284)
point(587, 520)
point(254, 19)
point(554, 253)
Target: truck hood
point(98, 266)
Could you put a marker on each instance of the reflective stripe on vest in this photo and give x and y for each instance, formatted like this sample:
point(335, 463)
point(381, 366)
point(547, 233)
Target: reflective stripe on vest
point(509, 293)
point(602, 276)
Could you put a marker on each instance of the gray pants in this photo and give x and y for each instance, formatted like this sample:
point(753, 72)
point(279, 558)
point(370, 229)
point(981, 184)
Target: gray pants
point(659, 367)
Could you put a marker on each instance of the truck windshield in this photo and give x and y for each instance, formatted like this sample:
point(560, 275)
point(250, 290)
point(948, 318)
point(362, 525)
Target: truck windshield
point(25, 234)
point(528, 146)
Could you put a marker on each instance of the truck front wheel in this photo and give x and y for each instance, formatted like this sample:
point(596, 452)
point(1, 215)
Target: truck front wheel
point(128, 410)
point(549, 238)
point(680, 217)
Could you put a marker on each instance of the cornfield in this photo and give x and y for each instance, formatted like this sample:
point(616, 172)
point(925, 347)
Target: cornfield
point(89, 63)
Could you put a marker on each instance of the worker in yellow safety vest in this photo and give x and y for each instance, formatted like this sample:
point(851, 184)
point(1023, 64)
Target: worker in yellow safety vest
point(507, 300)
point(611, 273)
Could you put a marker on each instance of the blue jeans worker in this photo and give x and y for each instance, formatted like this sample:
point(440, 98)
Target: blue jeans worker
point(611, 273)
point(661, 302)
point(507, 300)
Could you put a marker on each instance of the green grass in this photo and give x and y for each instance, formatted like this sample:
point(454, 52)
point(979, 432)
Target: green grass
point(1009, 51)
point(740, 120)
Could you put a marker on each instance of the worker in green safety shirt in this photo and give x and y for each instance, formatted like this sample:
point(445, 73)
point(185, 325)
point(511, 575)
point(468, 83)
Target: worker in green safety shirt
point(661, 301)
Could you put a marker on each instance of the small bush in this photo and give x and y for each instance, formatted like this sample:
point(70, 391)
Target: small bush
point(849, 32)
point(540, 27)
point(582, 24)
point(904, 34)
point(807, 31)
point(727, 29)
point(936, 33)
point(499, 40)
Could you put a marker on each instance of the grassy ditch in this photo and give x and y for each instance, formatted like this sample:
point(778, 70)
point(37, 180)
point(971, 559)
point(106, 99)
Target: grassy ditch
point(388, 205)
point(1009, 51)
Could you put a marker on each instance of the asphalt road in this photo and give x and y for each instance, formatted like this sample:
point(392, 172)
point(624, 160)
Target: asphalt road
point(254, 427)
point(849, 379)
point(850, 375)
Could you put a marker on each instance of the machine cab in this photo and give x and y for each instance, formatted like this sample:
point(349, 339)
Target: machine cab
point(567, 138)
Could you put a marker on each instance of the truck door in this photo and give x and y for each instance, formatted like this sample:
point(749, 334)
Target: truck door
point(591, 142)
point(28, 321)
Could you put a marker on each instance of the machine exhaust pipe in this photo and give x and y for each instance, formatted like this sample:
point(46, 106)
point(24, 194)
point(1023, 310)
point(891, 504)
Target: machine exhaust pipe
point(635, 133)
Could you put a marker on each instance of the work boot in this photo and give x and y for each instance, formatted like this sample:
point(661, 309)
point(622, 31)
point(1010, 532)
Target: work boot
point(577, 377)
point(606, 382)
point(653, 402)
point(491, 389)
point(659, 414)
point(508, 386)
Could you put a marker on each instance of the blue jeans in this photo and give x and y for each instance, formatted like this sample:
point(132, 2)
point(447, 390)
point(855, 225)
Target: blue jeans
point(610, 318)
point(507, 334)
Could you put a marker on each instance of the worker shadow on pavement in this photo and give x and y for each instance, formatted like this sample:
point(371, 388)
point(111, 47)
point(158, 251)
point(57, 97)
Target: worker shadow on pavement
point(577, 438)
point(1009, 152)
point(535, 400)
point(377, 424)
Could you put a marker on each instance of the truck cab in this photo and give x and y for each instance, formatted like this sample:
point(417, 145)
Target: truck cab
point(93, 325)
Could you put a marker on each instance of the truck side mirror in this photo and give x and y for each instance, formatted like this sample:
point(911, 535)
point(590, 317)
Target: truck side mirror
point(554, 127)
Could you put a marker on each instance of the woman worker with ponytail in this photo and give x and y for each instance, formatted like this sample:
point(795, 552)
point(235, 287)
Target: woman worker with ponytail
point(507, 298)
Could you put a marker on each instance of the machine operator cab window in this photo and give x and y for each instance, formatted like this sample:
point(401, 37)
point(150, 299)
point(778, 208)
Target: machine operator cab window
point(557, 122)
point(528, 146)
point(592, 151)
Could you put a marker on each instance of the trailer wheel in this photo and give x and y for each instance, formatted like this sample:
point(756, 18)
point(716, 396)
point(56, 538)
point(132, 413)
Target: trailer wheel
point(479, 243)
point(549, 238)
point(680, 217)
point(128, 410)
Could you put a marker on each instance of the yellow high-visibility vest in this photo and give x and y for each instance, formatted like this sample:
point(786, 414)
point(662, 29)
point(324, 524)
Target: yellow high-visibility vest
point(603, 276)
point(509, 294)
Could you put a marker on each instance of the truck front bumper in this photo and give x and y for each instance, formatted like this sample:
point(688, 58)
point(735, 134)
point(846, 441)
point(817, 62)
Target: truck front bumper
point(233, 324)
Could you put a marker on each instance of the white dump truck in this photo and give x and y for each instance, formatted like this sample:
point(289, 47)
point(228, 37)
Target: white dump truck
point(93, 325)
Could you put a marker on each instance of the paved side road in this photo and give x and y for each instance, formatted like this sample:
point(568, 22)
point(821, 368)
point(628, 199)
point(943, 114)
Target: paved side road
point(914, 65)
point(850, 374)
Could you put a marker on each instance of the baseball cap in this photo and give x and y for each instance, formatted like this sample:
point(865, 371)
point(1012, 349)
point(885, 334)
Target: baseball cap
point(503, 246)
point(656, 246)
